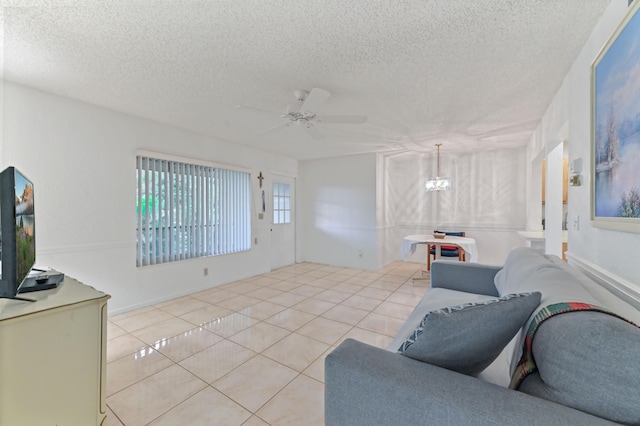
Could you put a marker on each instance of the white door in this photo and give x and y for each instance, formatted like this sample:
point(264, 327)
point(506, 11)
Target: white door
point(283, 234)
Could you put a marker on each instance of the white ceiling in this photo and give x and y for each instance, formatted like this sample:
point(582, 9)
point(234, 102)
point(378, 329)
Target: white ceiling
point(470, 74)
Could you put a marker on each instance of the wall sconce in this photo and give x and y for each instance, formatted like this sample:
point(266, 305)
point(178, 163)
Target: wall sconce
point(576, 168)
point(574, 180)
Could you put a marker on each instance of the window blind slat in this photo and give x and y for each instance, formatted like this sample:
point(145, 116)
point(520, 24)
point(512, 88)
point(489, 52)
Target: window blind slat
point(147, 214)
point(171, 221)
point(154, 211)
point(165, 212)
point(224, 225)
point(139, 212)
point(177, 199)
point(182, 210)
point(189, 206)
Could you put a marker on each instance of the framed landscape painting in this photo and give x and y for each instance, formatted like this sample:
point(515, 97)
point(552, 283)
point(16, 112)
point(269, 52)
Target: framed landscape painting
point(615, 132)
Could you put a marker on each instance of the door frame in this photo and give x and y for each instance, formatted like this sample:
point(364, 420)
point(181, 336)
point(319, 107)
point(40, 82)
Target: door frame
point(292, 180)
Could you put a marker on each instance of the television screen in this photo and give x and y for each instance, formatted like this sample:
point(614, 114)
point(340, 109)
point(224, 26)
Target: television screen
point(25, 227)
point(17, 225)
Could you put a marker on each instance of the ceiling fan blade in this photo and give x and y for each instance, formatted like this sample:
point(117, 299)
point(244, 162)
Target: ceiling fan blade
point(271, 129)
point(293, 108)
point(314, 100)
point(260, 110)
point(343, 119)
point(314, 132)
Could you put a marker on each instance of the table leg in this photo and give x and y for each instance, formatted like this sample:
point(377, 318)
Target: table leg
point(414, 279)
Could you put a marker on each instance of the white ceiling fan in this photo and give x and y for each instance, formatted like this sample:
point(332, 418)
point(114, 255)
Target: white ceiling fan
point(303, 113)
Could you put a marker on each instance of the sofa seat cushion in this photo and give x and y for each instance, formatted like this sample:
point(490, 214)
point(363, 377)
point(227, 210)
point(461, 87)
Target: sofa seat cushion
point(468, 338)
point(589, 361)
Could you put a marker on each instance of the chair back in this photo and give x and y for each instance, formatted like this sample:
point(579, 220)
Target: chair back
point(453, 234)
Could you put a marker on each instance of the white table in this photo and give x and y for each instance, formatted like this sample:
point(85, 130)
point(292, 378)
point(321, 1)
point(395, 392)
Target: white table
point(465, 243)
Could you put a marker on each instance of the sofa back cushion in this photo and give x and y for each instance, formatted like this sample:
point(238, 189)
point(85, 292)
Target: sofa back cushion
point(520, 263)
point(527, 269)
point(588, 361)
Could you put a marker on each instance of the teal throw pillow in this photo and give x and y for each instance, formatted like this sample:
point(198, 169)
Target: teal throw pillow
point(467, 338)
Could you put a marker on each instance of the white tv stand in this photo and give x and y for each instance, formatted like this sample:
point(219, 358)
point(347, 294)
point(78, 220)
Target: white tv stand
point(53, 357)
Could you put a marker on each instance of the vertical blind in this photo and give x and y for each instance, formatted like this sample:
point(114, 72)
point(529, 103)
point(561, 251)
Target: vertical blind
point(184, 211)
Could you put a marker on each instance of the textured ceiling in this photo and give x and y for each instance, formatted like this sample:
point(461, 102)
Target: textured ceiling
point(471, 74)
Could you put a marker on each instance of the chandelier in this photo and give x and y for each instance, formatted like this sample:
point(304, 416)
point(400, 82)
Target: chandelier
point(438, 183)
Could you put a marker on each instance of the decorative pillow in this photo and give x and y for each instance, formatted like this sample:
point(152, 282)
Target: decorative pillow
point(467, 338)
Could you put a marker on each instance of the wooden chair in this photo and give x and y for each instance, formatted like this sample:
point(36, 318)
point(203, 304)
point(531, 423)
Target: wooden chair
point(446, 251)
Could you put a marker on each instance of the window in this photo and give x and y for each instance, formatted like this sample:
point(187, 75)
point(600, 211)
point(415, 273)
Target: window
point(281, 203)
point(184, 211)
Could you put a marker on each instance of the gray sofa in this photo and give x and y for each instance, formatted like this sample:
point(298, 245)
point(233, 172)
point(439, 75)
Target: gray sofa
point(586, 368)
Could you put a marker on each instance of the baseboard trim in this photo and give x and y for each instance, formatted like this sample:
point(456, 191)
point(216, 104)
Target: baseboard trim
point(615, 284)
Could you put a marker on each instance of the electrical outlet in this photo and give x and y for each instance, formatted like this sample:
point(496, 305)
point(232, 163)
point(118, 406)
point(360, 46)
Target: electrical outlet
point(360, 253)
point(206, 271)
point(255, 241)
point(576, 222)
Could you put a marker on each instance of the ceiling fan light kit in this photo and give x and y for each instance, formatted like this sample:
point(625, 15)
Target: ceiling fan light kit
point(438, 183)
point(301, 95)
point(299, 118)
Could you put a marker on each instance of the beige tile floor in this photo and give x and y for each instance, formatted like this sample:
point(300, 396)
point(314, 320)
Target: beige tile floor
point(250, 352)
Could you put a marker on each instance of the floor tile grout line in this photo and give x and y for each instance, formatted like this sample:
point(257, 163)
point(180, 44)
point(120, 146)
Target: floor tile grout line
point(298, 373)
point(150, 346)
point(144, 378)
point(277, 393)
point(305, 371)
point(202, 325)
point(181, 402)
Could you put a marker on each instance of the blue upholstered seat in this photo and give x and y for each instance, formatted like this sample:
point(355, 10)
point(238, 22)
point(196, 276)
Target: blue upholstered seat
point(447, 251)
point(444, 252)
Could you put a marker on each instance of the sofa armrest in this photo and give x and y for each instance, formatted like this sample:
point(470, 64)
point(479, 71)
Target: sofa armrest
point(461, 276)
point(365, 385)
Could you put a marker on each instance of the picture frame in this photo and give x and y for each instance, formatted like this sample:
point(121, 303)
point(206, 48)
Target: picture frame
point(615, 128)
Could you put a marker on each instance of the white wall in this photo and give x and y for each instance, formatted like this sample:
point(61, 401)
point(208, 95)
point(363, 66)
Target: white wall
point(553, 201)
point(613, 252)
point(338, 217)
point(487, 200)
point(369, 203)
point(81, 159)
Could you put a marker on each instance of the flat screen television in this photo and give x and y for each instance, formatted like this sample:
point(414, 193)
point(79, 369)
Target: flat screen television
point(17, 230)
